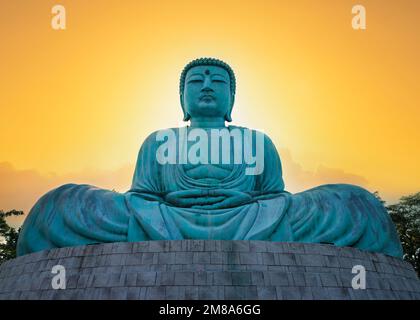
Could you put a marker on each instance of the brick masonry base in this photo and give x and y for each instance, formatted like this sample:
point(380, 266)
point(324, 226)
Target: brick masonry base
point(208, 269)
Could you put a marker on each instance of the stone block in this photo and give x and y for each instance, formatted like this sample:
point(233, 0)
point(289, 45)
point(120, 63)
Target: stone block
point(175, 267)
point(36, 283)
point(256, 267)
point(257, 278)
point(195, 245)
point(122, 248)
point(278, 268)
point(346, 252)
point(165, 278)
point(268, 258)
point(143, 246)
point(346, 262)
point(209, 245)
point(293, 269)
point(133, 293)
point(295, 247)
point(358, 294)
point(134, 259)
point(311, 260)
point(331, 261)
point(258, 246)
point(289, 293)
point(116, 280)
point(201, 257)
point(166, 257)
point(240, 246)
point(299, 279)
point(149, 258)
point(172, 293)
point(184, 258)
point(100, 280)
point(345, 277)
point(226, 245)
point(266, 293)
point(147, 278)
point(277, 247)
point(312, 280)
point(47, 294)
point(339, 293)
point(320, 293)
point(191, 293)
point(233, 258)
point(202, 278)
point(184, 278)
point(222, 278)
point(119, 293)
point(130, 279)
point(207, 293)
point(328, 280)
point(235, 293)
point(71, 281)
point(241, 278)
point(214, 267)
point(276, 278)
point(286, 259)
point(218, 258)
point(85, 281)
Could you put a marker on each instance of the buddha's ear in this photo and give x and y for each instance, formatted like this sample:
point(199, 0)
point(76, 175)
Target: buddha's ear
point(186, 114)
point(228, 116)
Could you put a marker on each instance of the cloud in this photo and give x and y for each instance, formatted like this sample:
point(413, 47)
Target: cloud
point(298, 179)
point(20, 189)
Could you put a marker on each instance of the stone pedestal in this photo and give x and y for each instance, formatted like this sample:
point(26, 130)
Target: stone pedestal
point(207, 269)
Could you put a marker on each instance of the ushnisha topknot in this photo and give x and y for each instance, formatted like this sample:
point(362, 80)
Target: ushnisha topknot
point(208, 62)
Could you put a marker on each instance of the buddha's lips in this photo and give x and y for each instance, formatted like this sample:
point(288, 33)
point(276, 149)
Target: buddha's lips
point(207, 97)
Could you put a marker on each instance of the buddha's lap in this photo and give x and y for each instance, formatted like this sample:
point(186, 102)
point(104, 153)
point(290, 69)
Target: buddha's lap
point(337, 193)
point(322, 214)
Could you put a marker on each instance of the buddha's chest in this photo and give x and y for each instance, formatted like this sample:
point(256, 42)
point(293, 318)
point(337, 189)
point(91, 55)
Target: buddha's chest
point(205, 156)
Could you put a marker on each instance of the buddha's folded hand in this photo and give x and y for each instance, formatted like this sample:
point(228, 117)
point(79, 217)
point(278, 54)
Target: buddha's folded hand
point(232, 198)
point(192, 197)
point(207, 198)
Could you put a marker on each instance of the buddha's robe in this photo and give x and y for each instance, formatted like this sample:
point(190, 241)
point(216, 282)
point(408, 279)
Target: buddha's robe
point(340, 214)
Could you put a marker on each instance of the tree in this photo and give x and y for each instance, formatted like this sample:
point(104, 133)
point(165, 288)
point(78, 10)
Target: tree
point(9, 235)
point(406, 216)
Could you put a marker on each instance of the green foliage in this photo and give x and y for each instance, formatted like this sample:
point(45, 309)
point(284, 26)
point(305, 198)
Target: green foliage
point(406, 216)
point(9, 236)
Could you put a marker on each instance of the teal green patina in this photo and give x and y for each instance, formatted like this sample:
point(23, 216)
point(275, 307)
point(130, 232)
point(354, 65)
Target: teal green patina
point(207, 200)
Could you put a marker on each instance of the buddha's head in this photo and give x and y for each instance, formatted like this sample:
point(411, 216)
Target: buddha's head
point(207, 89)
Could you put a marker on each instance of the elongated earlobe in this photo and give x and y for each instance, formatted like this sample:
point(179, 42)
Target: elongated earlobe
point(187, 116)
point(228, 116)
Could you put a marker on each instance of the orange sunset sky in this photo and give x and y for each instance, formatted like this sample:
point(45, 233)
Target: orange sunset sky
point(341, 105)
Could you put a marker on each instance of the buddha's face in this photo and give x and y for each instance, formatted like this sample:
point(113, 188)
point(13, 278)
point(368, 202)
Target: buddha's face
point(207, 92)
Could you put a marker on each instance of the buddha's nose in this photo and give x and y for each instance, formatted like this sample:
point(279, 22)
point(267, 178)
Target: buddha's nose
point(207, 85)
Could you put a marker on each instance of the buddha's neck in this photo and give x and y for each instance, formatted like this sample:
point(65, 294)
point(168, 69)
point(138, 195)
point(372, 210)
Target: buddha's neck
point(208, 122)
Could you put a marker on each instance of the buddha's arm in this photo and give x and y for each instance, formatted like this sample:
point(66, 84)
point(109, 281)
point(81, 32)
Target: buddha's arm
point(270, 181)
point(145, 179)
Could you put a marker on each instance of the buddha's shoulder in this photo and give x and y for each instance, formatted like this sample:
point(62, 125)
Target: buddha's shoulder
point(254, 131)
